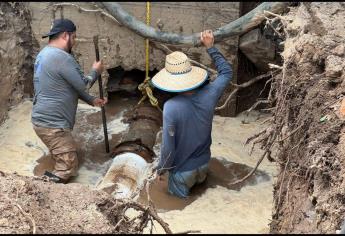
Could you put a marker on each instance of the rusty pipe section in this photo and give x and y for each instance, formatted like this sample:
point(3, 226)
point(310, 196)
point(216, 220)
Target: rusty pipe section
point(144, 123)
point(133, 154)
point(240, 26)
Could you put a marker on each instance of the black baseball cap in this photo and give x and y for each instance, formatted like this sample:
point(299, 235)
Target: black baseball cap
point(61, 25)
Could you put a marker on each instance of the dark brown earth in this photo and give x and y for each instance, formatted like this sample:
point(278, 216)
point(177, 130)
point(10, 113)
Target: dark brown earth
point(306, 125)
point(17, 47)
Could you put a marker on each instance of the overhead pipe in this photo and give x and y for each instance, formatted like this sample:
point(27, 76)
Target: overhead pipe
point(237, 27)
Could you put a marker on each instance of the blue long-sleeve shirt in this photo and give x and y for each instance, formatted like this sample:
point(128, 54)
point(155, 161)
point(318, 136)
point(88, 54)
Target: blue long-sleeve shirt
point(187, 122)
point(58, 83)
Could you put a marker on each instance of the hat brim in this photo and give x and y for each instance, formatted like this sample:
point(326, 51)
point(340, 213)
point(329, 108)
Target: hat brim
point(51, 33)
point(48, 34)
point(179, 82)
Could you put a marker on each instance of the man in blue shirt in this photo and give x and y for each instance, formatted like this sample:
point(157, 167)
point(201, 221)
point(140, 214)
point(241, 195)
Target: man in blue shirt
point(187, 117)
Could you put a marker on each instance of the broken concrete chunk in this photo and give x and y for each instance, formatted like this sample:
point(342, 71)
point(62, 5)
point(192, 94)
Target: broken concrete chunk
point(341, 111)
point(339, 50)
point(257, 48)
point(334, 66)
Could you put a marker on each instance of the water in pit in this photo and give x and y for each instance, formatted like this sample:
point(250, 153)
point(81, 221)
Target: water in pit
point(221, 173)
point(212, 207)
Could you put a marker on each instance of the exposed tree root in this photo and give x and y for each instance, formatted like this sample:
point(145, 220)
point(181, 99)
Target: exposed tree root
point(57, 6)
point(241, 86)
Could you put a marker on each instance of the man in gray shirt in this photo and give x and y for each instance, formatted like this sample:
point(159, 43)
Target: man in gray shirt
point(58, 84)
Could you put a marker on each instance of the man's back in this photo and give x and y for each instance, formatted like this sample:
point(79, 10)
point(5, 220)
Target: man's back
point(56, 97)
point(188, 120)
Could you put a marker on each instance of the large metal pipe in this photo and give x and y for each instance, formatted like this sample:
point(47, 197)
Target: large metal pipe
point(237, 27)
point(134, 153)
point(144, 123)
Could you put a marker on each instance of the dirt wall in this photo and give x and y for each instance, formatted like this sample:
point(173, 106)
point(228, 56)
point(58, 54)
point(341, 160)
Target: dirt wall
point(121, 47)
point(17, 48)
point(308, 122)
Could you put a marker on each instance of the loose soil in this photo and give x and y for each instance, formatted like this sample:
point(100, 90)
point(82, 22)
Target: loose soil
point(307, 125)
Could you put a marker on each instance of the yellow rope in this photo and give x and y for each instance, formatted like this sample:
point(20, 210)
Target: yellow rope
point(147, 40)
point(145, 87)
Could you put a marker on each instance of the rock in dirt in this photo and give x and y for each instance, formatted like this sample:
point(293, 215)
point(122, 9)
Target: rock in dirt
point(334, 66)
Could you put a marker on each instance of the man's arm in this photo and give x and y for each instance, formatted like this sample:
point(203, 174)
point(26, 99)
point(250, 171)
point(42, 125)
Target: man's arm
point(96, 71)
point(222, 65)
point(91, 78)
point(71, 72)
point(168, 143)
point(224, 70)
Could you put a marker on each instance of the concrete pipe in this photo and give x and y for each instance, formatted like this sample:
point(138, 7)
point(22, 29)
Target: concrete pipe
point(133, 156)
point(237, 27)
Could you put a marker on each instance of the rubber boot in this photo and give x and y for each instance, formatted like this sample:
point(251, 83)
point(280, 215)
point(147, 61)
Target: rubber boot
point(54, 178)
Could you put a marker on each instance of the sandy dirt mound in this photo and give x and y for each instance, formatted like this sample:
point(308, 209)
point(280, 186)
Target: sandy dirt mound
point(34, 205)
point(307, 126)
point(50, 206)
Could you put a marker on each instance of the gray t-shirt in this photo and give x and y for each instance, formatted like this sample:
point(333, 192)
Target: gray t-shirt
point(58, 83)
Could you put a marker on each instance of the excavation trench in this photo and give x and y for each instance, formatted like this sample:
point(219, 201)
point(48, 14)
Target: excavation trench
point(135, 142)
point(124, 170)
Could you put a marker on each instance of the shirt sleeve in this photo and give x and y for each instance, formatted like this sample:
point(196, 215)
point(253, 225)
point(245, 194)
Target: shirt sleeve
point(91, 78)
point(168, 142)
point(224, 70)
point(71, 72)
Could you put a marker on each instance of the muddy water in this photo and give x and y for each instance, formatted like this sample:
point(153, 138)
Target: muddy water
point(19, 145)
point(221, 173)
point(213, 207)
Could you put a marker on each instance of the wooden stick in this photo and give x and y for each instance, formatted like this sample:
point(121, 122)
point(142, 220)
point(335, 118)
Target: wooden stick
point(153, 215)
point(189, 232)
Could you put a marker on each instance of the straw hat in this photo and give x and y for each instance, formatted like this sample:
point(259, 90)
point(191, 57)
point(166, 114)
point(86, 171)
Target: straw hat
point(178, 74)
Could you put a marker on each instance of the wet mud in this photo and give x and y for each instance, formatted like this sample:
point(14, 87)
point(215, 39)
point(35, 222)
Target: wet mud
point(221, 173)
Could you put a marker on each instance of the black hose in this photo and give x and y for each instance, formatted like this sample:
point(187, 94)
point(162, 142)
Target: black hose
point(237, 27)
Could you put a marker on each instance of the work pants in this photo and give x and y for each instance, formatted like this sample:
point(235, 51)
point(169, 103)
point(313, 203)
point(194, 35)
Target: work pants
point(180, 183)
point(63, 150)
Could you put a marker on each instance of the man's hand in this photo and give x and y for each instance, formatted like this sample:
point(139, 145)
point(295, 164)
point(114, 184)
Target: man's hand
point(206, 37)
point(98, 66)
point(99, 102)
